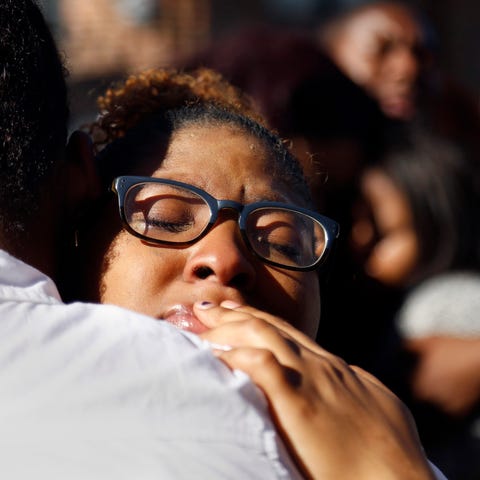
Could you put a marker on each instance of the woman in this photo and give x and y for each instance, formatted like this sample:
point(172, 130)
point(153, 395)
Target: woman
point(203, 167)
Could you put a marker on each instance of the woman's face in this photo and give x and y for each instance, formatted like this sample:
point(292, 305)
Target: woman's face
point(379, 50)
point(383, 232)
point(164, 282)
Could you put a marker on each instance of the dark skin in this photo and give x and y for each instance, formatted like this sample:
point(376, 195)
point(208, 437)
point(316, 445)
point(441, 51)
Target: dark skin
point(319, 403)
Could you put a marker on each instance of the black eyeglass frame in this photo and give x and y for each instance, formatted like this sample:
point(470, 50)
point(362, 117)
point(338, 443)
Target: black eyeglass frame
point(122, 184)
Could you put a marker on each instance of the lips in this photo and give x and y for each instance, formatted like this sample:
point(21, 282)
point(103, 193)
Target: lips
point(398, 105)
point(183, 318)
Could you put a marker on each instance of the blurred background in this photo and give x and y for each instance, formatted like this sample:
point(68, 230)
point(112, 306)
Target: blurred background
point(104, 38)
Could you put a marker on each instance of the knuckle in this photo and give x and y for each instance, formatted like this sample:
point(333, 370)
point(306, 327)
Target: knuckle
point(263, 358)
point(258, 327)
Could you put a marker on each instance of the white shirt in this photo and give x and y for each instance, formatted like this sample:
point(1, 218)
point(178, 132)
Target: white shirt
point(98, 392)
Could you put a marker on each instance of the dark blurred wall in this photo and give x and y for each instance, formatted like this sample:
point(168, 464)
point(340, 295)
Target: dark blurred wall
point(458, 25)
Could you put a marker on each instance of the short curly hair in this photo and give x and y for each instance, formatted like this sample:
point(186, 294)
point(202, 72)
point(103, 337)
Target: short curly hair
point(156, 91)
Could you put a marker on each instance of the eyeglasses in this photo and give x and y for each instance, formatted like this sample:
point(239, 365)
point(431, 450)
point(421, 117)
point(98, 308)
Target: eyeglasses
point(167, 212)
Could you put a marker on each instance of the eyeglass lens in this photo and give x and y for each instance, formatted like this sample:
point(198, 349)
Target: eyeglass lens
point(174, 214)
point(285, 236)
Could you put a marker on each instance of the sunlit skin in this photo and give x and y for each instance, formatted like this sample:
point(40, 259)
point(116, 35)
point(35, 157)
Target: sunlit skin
point(383, 230)
point(165, 282)
point(380, 49)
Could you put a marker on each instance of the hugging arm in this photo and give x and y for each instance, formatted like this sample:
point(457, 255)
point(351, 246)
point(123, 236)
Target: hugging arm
point(335, 419)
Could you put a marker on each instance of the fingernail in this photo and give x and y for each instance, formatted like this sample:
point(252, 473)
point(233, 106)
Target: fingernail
point(230, 304)
point(219, 347)
point(204, 305)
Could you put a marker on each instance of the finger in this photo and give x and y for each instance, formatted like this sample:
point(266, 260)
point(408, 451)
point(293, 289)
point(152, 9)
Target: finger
point(364, 375)
point(213, 315)
point(263, 368)
point(272, 319)
point(281, 324)
point(256, 333)
point(324, 372)
point(253, 323)
point(244, 326)
point(282, 388)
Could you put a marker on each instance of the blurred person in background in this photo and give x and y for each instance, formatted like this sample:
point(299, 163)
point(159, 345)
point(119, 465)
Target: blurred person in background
point(390, 49)
point(381, 47)
point(416, 234)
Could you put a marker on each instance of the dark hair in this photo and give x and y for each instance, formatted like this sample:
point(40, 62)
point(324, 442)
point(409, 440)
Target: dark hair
point(441, 182)
point(33, 111)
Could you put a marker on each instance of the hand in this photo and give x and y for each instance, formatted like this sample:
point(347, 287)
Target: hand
point(447, 373)
point(337, 421)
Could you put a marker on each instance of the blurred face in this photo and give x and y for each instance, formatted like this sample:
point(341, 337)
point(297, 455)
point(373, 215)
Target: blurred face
point(379, 50)
point(383, 232)
point(164, 282)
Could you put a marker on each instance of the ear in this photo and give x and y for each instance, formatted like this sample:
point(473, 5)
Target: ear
point(81, 176)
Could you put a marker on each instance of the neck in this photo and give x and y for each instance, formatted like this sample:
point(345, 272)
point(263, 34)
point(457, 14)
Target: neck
point(35, 253)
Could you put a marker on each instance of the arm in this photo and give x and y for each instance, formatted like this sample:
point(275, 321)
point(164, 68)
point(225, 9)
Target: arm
point(336, 419)
point(447, 372)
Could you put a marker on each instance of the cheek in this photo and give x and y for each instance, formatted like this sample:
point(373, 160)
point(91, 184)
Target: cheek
point(296, 301)
point(358, 61)
point(311, 302)
point(394, 258)
point(136, 275)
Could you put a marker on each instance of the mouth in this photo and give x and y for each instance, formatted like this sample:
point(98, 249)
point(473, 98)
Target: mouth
point(183, 318)
point(399, 105)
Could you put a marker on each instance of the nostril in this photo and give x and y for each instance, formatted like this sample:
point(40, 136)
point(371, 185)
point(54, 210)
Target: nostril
point(203, 272)
point(240, 280)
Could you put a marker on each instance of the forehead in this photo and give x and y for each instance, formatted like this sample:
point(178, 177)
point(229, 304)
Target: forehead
point(225, 161)
point(391, 22)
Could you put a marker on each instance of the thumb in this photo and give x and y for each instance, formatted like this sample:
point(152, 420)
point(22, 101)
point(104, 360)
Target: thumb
point(213, 315)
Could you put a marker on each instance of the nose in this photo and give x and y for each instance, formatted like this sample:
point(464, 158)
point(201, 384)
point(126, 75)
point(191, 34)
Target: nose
point(222, 256)
point(404, 65)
